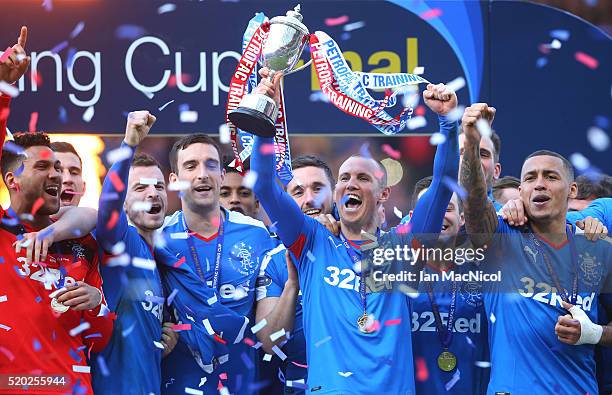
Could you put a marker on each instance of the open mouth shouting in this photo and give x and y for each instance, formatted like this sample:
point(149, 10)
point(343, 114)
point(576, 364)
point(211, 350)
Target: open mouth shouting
point(52, 190)
point(540, 200)
point(352, 202)
point(202, 188)
point(156, 208)
point(67, 195)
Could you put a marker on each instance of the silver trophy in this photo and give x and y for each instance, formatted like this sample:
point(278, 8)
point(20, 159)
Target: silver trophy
point(282, 50)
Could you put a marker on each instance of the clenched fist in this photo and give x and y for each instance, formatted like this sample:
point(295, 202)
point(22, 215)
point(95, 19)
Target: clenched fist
point(472, 115)
point(440, 99)
point(138, 125)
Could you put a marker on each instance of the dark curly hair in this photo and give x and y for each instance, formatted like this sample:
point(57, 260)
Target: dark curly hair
point(13, 157)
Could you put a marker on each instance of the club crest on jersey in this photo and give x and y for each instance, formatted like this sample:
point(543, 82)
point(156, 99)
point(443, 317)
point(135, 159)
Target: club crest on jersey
point(242, 258)
point(471, 292)
point(590, 269)
point(78, 251)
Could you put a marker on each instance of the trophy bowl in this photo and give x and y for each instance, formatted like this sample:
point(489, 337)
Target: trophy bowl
point(282, 50)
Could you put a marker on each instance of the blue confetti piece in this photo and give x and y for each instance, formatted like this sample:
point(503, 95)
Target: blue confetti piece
point(345, 36)
point(130, 32)
point(591, 3)
point(453, 186)
point(10, 221)
point(19, 170)
point(165, 8)
point(63, 114)
point(1, 259)
point(38, 299)
point(102, 366)
point(310, 256)
point(93, 335)
point(154, 299)
point(247, 361)
point(541, 62)
point(129, 330)
point(48, 5)
point(45, 233)
point(183, 107)
point(171, 296)
point(17, 270)
point(36, 345)
point(14, 148)
point(70, 57)
point(344, 199)
point(60, 47)
point(75, 356)
point(602, 122)
point(560, 34)
point(272, 228)
point(281, 376)
point(364, 150)
point(77, 29)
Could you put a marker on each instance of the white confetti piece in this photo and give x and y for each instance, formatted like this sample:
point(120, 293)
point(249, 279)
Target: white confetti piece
point(193, 391)
point(456, 84)
point(397, 212)
point(224, 391)
point(3, 298)
point(267, 357)
point(292, 383)
point(555, 44)
point(212, 300)
point(418, 70)
point(8, 89)
point(599, 139)
point(349, 27)
point(158, 345)
point(118, 154)
point(165, 8)
point(455, 114)
point(224, 134)
point(148, 181)
point(189, 116)
point(118, 248)
point(165, 105)
point(345, 374)
point(323, 341)
point(257, 345)
point(451, 383)
point(483, 364)
point(208, 327)
point(179, 185)
point(257, 327)
point(179, 236)
point(142, 206)
point(277, 335)
point(26, 243)
point(416, 122)
point(6, 328)
point(411, 100)
point(408, 291)
point(484, 128)
point(202, 381)
point(310, 256)
point(492, 318)
point(579, 161)
point(249, 179)
point(79, 328)
point(88, 114)
point(121, 260)
point(81, 369)
point(143, 263)
point(279, 353)
point(437, 139)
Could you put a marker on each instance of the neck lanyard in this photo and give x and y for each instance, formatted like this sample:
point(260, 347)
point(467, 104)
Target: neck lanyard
point(195, 257)
point(444, 334)
point(551, 271)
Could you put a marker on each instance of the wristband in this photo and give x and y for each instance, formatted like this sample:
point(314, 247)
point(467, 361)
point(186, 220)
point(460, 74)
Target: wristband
point(590, 333)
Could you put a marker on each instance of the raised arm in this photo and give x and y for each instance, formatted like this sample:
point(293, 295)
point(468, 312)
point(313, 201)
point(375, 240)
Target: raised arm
point(279, 206)
point(480, 216)
point(431, 207)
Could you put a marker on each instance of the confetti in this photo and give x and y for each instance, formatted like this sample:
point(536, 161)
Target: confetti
point(422, 374)
point(418, 70)
point(158, 345)
point(319, 96)
point(586, 60)
point(455, 187)
point(80, 369)
point(541, 62)
point(6, 54)
point(88, 114)
point(492, 318)
point(119, 154)
point(189, 116)
point(165, 8)
point(249, 179)
point(349, 27)
point(322, 341)
point(59, 47)
point(598, 139)
point(562, 35)
point(437, 139)
point(336, 21)
point(8, 89)
point(451, 383)
point(579, 161)
point(345, 374)
point(3, 298)
point(141, 206)
point(299, 365)
point(397, 212)
point(246, 359)
point(37, 205)
point(79, 328)
point(602, 122)
point(116, 181)
point(277, 335)
point(484, 128)
point(310, 256)
point(112, 220)
point(129, 32)
point(257, 327)
point(279, 353)
point(193, 391)
point(143, 263)
point(179, 185)
point(181, 327)
point(6, 328)
point(48, 5)
point(224, 134)
point(267, 357)
point(202, 381)
point(267, 149)
point(555, 44)
point(296, 384)
point(456, 84)
point(387, 149)
point(483, 364)
point(77, 29)
point(416, 122)
point(431, 14)
point(165, 105)
point(395, 321)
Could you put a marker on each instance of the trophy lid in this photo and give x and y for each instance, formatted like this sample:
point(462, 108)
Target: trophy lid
point(293, 18)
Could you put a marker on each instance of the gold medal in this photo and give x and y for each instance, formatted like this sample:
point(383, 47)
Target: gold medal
point(447, 361)
point(57, 306)
point(362, 322)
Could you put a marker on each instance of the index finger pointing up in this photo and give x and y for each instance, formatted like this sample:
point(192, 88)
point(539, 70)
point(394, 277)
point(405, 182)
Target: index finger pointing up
point(23, 36)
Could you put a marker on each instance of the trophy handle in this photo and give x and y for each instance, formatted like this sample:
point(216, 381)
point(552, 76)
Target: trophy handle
point(302, 67)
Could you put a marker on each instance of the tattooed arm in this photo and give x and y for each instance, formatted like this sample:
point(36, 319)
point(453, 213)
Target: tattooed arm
point(480, 216)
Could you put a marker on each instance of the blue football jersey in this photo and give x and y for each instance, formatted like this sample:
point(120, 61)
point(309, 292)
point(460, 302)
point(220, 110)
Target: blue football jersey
point(599, 208)
point(469, 334)
point(523, 308)
point(245, 243)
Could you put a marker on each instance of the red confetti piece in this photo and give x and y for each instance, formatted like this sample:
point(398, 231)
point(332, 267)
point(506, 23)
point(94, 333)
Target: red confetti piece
point(117, 183)
point(217, 338)
point(587, 60)
point(45, 154)
point(391, 152)
point(6, 54)
point(179, 262)
point(267, 149)
point(248, 342)
point(433, 13)
point(374, 327)
point(422, 374)
point(113, 220)
point(420, 111)
point(336, 21)
point(223, 376)
point(404, 228)
point(37, 205)
point(299, 365)
point(4, 113)
point(544, 48)
point(184, 78)
point(396, 321)
point(216, 221)
point(33, 121)
point(35, 76)
point(181, 327)
point(7, 353)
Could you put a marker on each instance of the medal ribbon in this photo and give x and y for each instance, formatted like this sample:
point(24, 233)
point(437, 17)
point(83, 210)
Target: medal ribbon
point(444, 334)
point(195, 257)
point(356, 259)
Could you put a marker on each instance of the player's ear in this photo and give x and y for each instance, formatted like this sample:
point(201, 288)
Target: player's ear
point(384, 195)
point(573, 190)
point(172, 178)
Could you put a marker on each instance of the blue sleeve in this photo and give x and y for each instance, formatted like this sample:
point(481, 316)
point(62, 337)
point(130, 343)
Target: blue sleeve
point(599, 208)
point(430, 208)
point(276, 271)
point(111, 201)
point(194, 302)
point(279, 206)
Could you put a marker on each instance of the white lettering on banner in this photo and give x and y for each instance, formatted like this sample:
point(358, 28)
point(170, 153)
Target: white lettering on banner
point(128, 64)
point(201, 84)
point(96, 82)
point(550, 295)
point(462, 325)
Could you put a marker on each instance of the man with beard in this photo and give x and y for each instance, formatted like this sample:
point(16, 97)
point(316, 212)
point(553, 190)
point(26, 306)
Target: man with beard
point(541, 338)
